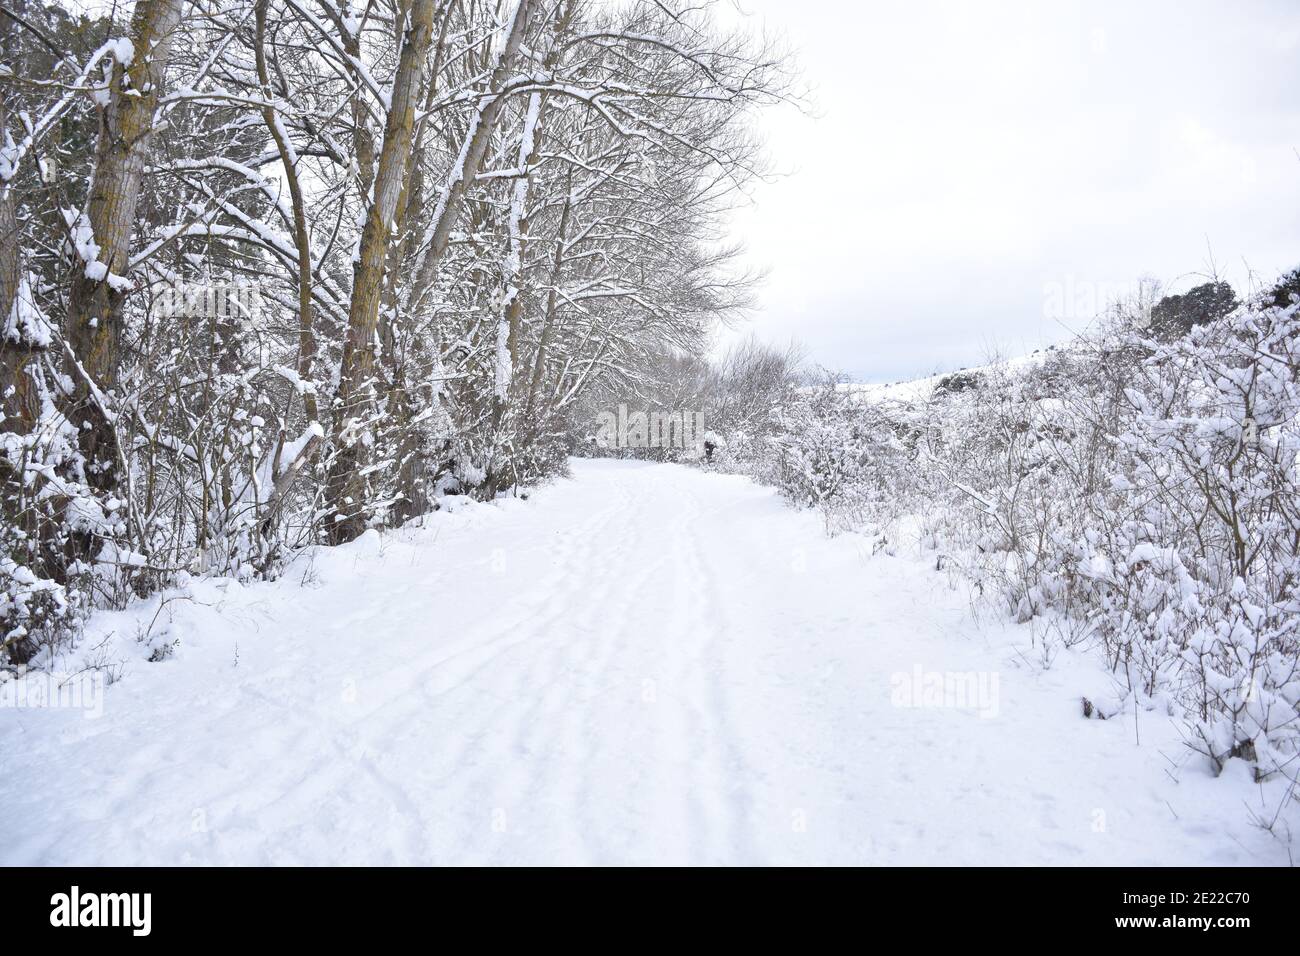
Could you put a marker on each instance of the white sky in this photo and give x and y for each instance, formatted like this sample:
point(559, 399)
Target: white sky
point(970, 162)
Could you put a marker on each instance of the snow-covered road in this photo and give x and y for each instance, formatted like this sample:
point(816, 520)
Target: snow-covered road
point(645, 664)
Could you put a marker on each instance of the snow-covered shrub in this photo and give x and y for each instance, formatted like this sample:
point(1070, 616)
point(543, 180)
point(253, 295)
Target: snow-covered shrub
point(50, 519)
point(1147, 491)
point(1141, 495)
point(841, 456)
point(1209, 459)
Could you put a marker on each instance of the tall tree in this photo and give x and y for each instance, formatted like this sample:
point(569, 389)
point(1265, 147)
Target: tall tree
point(103, 233)
point(345, 491)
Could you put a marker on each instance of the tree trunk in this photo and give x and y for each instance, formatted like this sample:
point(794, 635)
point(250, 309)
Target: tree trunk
point(396, 332)
point(548, 316)
point(19, 402)
point(97, 297)
point(346, 485)
point(482, 124)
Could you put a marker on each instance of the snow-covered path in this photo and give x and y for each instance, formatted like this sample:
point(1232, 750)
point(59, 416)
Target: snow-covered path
point(646, 664)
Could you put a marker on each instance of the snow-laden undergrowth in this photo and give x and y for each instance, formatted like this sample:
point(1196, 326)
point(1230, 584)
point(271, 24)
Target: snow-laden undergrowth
point(1134, 497)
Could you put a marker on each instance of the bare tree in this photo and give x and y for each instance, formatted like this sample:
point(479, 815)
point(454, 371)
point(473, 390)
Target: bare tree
point(103, 233)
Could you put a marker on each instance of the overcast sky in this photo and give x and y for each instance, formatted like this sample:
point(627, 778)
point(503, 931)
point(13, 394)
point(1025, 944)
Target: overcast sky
point(971, 165)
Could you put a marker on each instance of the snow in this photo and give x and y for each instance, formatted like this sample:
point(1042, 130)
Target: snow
point(83, 241)
point(26, 323)
point(645, 664)
point(122, 50)
point(98, 272)
point(922, 388)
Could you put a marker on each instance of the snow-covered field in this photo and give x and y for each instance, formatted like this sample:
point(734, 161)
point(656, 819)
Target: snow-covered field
point(644, 664)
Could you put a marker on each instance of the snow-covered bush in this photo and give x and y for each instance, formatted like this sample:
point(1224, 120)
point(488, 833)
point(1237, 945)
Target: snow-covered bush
point(50, 519)
point(1139, 494)
point(1153, 500)
point(841, 456)
point(1209, 479)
